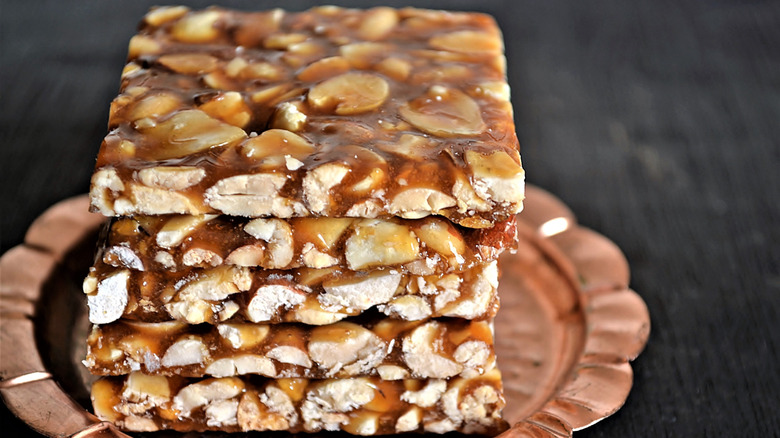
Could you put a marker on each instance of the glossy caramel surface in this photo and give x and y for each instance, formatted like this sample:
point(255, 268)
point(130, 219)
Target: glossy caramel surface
point(420, 105)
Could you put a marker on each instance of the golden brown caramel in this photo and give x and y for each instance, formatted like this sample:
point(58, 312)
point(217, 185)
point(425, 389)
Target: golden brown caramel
point(202, 89)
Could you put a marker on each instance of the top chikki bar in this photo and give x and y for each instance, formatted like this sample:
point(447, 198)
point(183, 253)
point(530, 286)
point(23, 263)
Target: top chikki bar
point(328, 112)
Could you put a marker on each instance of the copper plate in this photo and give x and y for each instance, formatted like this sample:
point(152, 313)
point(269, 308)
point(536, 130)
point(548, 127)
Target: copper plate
point(567, 328)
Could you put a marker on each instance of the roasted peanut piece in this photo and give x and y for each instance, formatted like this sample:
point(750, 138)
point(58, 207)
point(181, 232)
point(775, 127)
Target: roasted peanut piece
point(264, 71)
point(142, 45)
point(164, 14)
point(395, 68)
point(154, 105)
point(444, 112)
point(497, 176)
point(196, 27)
point(409, 421)
point(392, 372)
point(109, 302)
point(187, 351)
point(407, 307)
point(359, 293)
point(467, 42)
point(123, 256)
point(140, 388)
point(346, 345)
point(290, 355)
point(252, 196)
point(273, 145)
point(318, 182)
point(421, 356)
point(289, 117)
point(441, 236)
point(243, 364)
point(420, 202)
point(189, 63)
point(322, 232)
point(362, 55)
point(243, 335)
point(278, 234)
point(380, 243)
point(206, 391)
point(247, 255)
point(177, 228)
point(267, 300)
point(331, 397)
point(188, 132)
point(428, 395)
point(284, 41)
point(171, 177)
point(230, 108)
point(201, 257)
point(378, 23)
point(350, 93)
point(279, 402)
point(324, 68)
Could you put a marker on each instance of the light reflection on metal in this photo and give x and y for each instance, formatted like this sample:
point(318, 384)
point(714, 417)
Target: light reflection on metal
point(554, 226)
point(24, 378)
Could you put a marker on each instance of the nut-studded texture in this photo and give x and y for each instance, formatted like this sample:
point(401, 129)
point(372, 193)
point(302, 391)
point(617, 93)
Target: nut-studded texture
point(309, 296)
point(375, 346)
point(360, 406)
point(422, 247)
point(328, 112)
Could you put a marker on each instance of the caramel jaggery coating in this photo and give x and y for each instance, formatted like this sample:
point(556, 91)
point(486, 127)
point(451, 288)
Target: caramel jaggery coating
point(313, 114)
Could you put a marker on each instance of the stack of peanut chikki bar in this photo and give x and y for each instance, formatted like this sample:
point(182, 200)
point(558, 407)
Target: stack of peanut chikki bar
point(306, 212)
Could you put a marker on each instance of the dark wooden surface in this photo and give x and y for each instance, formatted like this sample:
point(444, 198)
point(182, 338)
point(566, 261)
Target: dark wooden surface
point(657, 122)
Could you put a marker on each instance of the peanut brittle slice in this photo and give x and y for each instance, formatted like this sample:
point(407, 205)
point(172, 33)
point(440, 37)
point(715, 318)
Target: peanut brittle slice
point(313, 114)
point(422, 247)
point(309, 296)
point(374, 346)
point(360, 406)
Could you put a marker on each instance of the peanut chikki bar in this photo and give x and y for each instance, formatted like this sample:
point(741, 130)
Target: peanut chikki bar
point(329, 112)
point(382, 347)
point(310, 296)
point(361, 406)
point(422, 247)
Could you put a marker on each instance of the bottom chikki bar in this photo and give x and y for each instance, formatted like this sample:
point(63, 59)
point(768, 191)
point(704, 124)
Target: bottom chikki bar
point(379, 345)
point(361, 406)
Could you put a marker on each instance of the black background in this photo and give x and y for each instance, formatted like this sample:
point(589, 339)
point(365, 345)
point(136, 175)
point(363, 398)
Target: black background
point(657, 122)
